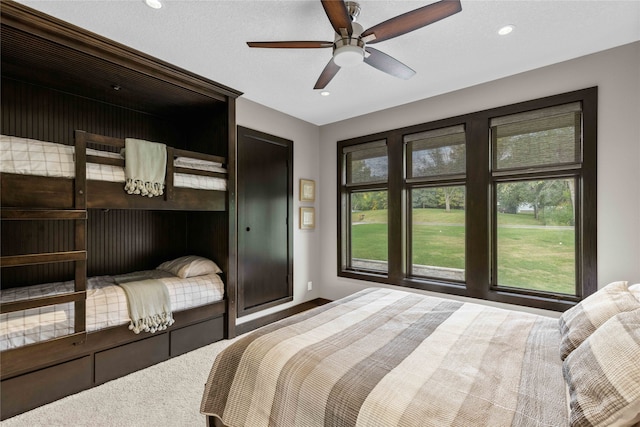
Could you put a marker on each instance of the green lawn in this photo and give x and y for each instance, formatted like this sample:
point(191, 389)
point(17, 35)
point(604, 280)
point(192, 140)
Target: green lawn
point(532, 258)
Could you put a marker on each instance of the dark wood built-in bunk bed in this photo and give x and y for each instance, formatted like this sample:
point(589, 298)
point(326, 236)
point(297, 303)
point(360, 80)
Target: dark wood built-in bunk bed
point(65, 85)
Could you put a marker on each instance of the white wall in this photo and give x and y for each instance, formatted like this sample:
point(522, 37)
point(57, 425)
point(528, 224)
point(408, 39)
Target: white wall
point(306, 243)
point(617, 74)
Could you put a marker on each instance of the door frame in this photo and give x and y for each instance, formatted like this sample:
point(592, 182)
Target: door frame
point(244, 133)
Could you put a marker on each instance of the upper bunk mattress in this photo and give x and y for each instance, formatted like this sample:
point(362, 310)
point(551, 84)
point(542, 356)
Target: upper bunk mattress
point(32, 157)
point(106, 306)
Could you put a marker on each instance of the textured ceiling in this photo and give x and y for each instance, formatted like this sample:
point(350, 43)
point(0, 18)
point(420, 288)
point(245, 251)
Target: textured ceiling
point(208, 37)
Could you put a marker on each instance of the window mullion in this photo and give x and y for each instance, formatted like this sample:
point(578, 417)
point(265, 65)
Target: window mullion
point(396, 214)
point(477, 208)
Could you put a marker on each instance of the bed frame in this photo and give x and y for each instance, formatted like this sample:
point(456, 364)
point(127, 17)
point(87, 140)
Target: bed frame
point(58, 78)
point(59, 193)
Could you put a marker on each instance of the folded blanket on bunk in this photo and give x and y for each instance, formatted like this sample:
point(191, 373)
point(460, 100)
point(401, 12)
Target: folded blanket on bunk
point(145, 166)
point(148, 301)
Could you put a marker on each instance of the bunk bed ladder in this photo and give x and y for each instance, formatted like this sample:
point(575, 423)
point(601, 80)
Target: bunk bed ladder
point(78, 255)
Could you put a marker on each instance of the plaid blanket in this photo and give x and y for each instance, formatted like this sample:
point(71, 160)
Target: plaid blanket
point(391, 358)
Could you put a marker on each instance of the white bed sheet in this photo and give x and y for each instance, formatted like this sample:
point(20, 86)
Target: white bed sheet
point(32, 157)
point(106, 306)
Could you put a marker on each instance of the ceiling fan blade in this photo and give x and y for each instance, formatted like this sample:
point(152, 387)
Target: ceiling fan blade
point(413, 20)
point(327, 74)
point(386, 63)
point(338, 15)
point(291, 44)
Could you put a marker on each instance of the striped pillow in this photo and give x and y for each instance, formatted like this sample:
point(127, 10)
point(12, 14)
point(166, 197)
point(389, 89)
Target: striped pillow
point(603, 374)
point(580, 321)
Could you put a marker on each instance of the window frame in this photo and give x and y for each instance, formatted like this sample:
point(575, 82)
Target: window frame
point(480, 212)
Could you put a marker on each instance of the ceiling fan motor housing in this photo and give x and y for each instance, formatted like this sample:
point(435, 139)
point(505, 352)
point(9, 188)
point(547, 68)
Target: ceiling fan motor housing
point(348, 51)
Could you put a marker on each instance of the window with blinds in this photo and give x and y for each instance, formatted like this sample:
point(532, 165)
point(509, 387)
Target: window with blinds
point(536, 166)
point(541, 138)
point(499, 204)
point(436, 167)
point(366, 197)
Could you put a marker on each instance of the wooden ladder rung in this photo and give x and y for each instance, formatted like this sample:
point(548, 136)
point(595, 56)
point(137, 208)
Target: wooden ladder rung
point(53, 214)
point(200, 172)
point(105, 160)
point(43, 258)
point(9, 307)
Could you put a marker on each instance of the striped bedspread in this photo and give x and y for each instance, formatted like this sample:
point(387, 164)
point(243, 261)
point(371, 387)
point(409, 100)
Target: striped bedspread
point(391, 358)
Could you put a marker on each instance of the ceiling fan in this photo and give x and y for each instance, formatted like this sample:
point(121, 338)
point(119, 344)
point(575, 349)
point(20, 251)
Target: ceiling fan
point(351, 44)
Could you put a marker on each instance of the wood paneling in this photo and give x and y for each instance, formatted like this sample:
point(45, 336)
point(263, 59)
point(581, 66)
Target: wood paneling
point(121, 241)
point(45, 114)
point(118, 241)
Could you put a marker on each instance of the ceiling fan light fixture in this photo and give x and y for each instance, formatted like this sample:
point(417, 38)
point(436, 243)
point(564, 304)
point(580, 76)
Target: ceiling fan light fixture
point(348, 56)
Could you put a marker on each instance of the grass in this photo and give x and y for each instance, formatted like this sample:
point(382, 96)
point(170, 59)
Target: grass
point(529, 258)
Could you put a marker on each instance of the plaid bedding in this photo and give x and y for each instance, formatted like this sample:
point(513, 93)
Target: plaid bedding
point(32, 157)
point(390, 358)
point(106, 306)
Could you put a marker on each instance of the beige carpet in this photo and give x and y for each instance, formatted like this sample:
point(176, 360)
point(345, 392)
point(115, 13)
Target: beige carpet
point(166, 394)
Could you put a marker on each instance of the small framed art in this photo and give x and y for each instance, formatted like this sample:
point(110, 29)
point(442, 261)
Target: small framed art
point(307, 190)
point(307, 218)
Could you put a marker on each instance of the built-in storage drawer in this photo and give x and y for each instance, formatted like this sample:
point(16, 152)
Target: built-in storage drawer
point(123, 360)
point(195, 336)
point(25, 392)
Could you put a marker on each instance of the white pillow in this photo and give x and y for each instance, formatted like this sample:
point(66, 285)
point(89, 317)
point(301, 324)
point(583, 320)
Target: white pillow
point(206, 165)
point(635, 290)
point(190, 266)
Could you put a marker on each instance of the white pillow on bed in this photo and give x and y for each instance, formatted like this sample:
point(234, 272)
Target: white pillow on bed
point(635, 290)
point(206, 165)
point(190, 266)
point(603, 374)
point(580, 321)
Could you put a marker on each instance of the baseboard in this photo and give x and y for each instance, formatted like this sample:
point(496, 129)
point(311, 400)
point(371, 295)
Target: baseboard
point(274, 317)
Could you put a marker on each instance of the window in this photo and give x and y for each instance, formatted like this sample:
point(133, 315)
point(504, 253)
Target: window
point(436, 168)
point(365, 184)
point(535, 173)
point(497, 204)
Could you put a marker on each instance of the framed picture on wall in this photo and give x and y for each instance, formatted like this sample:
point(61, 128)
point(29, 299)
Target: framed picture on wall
point(307, 190)
point(307, 218)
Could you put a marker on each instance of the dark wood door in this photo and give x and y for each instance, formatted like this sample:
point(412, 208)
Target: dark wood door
point(265, 199)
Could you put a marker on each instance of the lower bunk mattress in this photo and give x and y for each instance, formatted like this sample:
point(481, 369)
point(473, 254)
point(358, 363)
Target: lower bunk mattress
point(106, 305)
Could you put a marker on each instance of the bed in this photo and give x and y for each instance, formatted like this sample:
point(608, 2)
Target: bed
point(106, 305)
point(194, 181)
point(70, 99)
point(384, 357)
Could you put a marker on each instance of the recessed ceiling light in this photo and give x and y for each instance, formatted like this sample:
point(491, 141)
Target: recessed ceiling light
point(325, 93)
point(507, 29)
point(155, 4)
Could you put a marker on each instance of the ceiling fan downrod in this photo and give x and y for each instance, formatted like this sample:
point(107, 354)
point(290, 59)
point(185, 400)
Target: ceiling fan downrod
point(348, 50)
